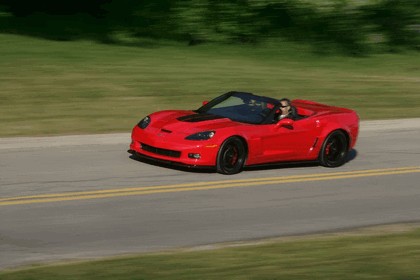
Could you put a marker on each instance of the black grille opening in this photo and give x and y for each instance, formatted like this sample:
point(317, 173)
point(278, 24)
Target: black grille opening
point(159, 151)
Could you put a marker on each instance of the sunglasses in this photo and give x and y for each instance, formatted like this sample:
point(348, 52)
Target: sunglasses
point(284, 106)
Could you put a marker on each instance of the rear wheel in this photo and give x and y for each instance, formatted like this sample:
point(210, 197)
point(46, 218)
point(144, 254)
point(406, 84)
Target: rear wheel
point(334, 150)
point(231, 156)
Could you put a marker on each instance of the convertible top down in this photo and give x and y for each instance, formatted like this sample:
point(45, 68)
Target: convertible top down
point(240, 129)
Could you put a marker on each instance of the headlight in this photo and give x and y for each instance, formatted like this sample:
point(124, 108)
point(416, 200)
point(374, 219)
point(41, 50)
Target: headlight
point(144, 122)
point(205, 135)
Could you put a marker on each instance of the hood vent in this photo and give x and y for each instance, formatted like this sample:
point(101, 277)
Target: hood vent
point(165, 130)
point(199, 118)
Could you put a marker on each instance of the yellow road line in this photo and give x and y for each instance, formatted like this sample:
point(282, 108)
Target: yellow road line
point(202, 186)
point(130, 189)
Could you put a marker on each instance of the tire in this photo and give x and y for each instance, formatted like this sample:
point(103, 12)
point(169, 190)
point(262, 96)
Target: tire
point(231, 156)
point(334, 150)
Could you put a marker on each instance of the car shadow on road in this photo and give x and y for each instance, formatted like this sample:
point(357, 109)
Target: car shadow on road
point(196, 169)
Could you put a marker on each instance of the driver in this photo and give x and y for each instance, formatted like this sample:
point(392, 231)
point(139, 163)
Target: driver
point(287, 110)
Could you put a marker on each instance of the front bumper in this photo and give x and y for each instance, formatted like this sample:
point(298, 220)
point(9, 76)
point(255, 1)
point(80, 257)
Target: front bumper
point(185, 152)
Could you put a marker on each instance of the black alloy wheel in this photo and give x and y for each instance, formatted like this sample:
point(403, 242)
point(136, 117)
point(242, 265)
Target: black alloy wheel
point(334, 150)
point(231, 156)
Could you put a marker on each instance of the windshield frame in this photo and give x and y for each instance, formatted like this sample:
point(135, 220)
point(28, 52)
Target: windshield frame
point(243, 107)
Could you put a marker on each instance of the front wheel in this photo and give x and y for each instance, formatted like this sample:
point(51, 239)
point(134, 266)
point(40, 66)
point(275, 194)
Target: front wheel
point(231, 156)
point(334, 150)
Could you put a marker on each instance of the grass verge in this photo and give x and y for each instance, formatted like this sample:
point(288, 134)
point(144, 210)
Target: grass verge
point(392, 252)
point(51, 87)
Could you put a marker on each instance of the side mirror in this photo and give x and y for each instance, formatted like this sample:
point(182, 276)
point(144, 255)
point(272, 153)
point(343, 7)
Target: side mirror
point(205, 102)
point(286, 123)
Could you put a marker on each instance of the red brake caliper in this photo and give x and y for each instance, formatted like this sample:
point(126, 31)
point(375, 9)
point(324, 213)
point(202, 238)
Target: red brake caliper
point(327, 149)
point(234, 156)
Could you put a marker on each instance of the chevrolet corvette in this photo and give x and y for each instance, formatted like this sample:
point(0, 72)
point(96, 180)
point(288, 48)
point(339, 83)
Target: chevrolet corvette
point(239, 129)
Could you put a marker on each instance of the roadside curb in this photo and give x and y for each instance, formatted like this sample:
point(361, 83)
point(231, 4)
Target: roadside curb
point(394, 125)
point(68, 140)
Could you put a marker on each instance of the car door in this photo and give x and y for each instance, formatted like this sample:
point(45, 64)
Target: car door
point(289, 140)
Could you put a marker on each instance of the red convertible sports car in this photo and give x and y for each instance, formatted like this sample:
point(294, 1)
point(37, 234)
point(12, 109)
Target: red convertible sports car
point(240, 129)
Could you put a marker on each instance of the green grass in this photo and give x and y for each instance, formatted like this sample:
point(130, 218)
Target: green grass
point(356, 256)
point(51, 87)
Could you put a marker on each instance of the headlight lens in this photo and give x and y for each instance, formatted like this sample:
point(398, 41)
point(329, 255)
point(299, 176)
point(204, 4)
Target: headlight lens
point(205, 135)
point(144, 122)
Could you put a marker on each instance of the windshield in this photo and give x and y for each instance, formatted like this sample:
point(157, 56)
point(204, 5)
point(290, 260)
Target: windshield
point(241, 107)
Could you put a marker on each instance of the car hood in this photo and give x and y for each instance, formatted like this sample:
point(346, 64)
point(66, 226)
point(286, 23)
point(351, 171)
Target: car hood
point(188, 122)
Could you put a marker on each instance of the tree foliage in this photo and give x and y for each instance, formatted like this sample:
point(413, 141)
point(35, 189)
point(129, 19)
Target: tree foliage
point(340, 24)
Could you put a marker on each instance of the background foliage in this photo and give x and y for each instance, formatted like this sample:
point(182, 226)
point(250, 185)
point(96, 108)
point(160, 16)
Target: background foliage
point(350, 26)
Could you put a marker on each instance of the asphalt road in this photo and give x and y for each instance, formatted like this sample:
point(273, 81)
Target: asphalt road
point(76, 197)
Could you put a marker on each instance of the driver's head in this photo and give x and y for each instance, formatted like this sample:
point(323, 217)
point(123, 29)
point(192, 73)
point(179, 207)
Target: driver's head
point(285, 106)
